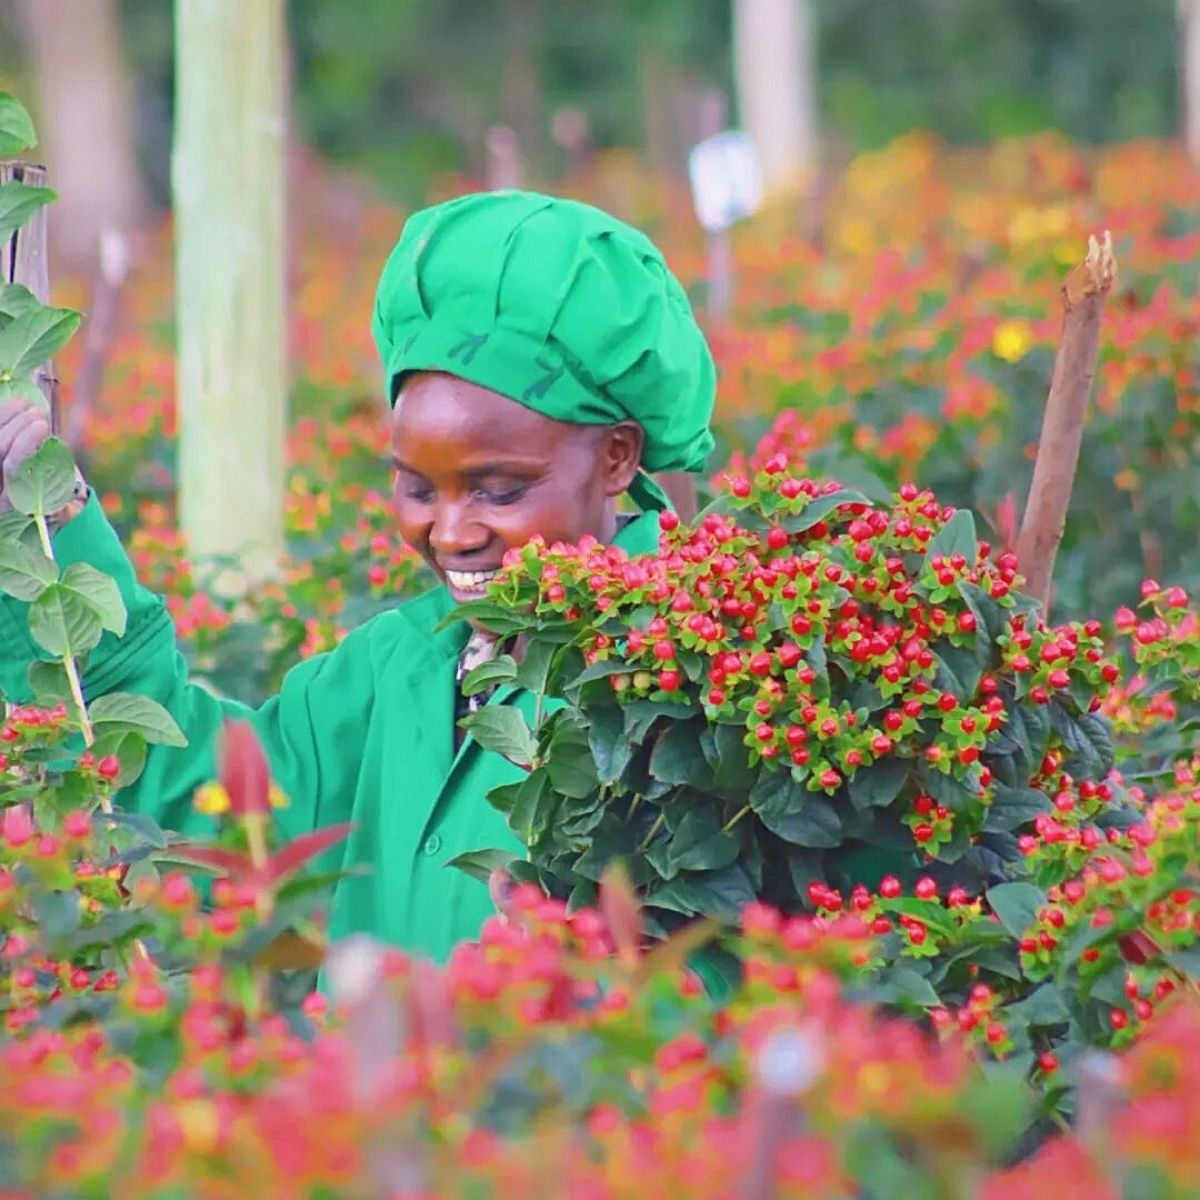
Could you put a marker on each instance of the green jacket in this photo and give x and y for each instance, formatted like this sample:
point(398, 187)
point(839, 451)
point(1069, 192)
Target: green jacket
point(364, 733)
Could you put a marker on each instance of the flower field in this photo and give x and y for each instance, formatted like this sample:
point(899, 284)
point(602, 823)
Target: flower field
point(848, 875)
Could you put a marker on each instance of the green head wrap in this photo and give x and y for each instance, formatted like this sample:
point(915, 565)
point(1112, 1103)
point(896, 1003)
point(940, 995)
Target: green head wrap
point(558, 306)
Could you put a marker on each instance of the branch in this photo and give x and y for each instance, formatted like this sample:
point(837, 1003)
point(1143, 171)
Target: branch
point(1083, 292)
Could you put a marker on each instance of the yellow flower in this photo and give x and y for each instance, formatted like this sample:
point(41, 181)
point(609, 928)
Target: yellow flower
point(1011, 341)
point(276, 797)
point(211, 799)
point(200, 1124)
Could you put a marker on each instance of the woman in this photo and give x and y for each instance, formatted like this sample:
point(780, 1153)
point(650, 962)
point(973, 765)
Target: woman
point(538, 357)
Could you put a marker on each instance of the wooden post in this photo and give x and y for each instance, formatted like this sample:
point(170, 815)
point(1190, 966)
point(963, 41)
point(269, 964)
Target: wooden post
point(228, 180)
point(1083, 296)
point(27, 262)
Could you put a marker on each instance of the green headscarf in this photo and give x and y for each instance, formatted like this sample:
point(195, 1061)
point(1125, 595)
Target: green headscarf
point(558, 306)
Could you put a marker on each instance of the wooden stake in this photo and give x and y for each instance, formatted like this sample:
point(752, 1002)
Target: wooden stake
point(1083, 292)
point(26, 261)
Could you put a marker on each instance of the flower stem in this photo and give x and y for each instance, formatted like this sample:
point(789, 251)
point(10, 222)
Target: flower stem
point(737, 816)
point(652, 832)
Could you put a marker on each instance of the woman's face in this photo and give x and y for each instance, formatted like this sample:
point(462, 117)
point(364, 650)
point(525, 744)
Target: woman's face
point(477, 473)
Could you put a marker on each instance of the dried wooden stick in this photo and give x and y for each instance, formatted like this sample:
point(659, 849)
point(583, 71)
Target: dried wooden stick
point(1083, 292)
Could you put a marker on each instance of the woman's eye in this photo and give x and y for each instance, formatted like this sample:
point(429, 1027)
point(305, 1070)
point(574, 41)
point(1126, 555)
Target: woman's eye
point(501, 497)
point(417, 492)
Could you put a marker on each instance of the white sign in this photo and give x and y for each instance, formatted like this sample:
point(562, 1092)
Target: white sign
point(726, 180)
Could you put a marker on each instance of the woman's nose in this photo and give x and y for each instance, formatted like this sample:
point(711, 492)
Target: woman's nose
point(453, 531)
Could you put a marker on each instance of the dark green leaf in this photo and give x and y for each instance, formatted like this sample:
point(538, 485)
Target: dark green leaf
point(502, 728)
point(962, 666)
point(1042, 1007)
point(480, 864)
point(677, 757)
point(957, 536)
point(535, 664)
point(130, 713)
point(878, 785)
point(794, 814)
point(1087, 740)
point(611, 749)
point(721, 893)
point(820, 507)
point(569, 758)
point(904, 986)
point(1017, 905)
point(641, 714)
point(502, 669)
point(699, 843)
point(1013, 807)
point(730, 760)
point(112, 929)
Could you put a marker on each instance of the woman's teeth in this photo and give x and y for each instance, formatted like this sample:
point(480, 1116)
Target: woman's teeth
point(470, 581)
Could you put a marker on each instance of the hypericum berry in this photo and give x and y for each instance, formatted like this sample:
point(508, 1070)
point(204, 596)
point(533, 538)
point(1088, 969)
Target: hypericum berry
point(668, 520)
point(77, 825)
point(926, 888)
point(109, 767)
point(669, 680)
point(1048, 1063)
point(890, 887)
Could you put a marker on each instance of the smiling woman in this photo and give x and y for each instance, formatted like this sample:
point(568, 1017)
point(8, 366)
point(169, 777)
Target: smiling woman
point(541, 361)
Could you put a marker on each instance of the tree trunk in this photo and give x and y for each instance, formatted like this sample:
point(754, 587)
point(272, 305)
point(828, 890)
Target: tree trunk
point(85, 110)
point(228, 175)
point(775, 72)
point(521, 101)
point(1189, 75)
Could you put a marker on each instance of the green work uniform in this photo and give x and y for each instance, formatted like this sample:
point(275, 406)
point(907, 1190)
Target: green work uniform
point(364, 733)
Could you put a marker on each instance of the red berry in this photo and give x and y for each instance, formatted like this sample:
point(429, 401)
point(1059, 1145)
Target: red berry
point(668, 520)
point(926, 888)
point(777, 538)
point(109, 767)
point(1048, 1063)
point(77, 825)
point(890, 887)
point(669, 681)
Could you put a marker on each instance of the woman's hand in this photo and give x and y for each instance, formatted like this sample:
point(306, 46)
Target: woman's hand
point(23, 428)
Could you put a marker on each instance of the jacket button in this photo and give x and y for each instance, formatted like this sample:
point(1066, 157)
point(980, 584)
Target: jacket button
point(433, 844)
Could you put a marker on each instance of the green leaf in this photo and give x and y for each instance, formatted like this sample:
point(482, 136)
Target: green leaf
point(480, 864)
point(535, 664)
point(16, 129)
point(904, 986)
point(1042, 1007)
point(57, 914)
point(15, 299)
point(130, 750)
point(1087, 740)
point(677, 757)
point(569, 758)
point(793, 813)
point(957, 536)
point(141, 825)
point(135, 714)
point(45, 481)
point(502, 728)
point(820, 507)
point(611, 749)
point(18, 202)
point(99, 592)
point(49, 681)
point(700, 844)
point(532, 802)
point(24, 573)
point(489, 615)
point(878, 785)
point(1013, 807)
point(721, 894)
point(496, 671)
point(63, 623)
point(29, 340)
point(1016, 905)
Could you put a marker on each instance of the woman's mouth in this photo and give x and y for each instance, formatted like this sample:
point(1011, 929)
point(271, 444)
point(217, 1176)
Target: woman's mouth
point(470, 583)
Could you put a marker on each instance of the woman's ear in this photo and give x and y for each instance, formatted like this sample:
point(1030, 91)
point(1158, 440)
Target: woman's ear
point(620, 456)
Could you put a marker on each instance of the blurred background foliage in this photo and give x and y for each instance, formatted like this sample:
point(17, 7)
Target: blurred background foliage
point(406, 89)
